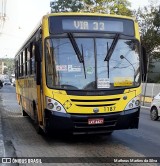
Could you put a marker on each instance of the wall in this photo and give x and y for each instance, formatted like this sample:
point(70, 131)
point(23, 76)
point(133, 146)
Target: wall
point(152, 89)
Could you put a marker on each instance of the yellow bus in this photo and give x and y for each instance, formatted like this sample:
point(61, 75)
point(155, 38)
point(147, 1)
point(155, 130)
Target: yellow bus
point(81, 73)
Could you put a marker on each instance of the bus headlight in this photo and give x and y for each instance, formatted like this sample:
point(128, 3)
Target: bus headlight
point(58, 108)
point(137, 102)
point(50, 105)
point(134, 103)
point(54, 105)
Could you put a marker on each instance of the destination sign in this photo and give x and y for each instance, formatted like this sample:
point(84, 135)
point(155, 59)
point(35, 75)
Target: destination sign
point(92, 25)
point(65, 24)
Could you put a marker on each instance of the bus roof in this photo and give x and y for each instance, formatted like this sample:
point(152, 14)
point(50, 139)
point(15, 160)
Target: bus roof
point(88, 14)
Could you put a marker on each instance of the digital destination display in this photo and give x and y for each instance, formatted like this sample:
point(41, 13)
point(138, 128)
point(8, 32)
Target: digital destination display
point(62, 24)
point(92, 25)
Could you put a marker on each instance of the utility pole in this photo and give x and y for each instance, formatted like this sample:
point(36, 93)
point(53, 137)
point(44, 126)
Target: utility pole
point(2, 14)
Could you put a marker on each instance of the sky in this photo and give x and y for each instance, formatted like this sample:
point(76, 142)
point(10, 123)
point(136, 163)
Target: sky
point(22, 18)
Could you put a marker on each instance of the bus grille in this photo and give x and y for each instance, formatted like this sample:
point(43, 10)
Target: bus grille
point(95, 103)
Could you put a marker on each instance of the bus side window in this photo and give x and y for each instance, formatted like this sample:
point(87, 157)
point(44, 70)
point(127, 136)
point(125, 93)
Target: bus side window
point(24, 71)
point(32, 59)
point(28, 59)
point(21, 64)
point(16, 68)
point(18, 65)
point(25, 61)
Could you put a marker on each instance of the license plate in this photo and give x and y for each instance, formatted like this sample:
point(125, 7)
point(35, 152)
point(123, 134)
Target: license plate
point(95, 121)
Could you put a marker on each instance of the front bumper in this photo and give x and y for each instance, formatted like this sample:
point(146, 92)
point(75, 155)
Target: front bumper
point(78, 124)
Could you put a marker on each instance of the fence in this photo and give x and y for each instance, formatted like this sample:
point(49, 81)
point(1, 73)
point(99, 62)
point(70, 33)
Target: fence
point(150, 89)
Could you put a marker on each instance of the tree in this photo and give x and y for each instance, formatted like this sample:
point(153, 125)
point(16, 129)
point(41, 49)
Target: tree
point(5, 71)
point(149, 22)
point(9, 63)
point(66, 5)
point(120, 7)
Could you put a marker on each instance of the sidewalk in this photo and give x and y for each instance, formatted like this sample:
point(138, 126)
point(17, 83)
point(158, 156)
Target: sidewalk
point(2, 150)
point(146, 101)
point(146, 104)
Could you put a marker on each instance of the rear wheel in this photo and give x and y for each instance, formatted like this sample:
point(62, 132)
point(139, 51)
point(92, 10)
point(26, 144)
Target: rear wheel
point(23, 112)
point(154, 113)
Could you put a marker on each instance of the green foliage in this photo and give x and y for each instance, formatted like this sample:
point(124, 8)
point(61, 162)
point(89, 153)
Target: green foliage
point(9, 63)
point(149, 22)
point(120, 7)
point(66, 5)
point(5, 71)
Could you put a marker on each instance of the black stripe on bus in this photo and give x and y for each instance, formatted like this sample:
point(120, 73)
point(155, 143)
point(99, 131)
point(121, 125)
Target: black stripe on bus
point(95, 93)
point(83, 100)
point(95, 105)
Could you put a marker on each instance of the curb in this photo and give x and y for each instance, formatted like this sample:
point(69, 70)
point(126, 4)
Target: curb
point(2, 150)
point(145, 107)
point(147, 99)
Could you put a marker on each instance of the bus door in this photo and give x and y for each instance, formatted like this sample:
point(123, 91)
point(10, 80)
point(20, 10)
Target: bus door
point(38, 74)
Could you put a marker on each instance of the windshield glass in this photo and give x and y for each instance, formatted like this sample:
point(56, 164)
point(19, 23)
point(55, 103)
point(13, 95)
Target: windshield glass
point(65, 71)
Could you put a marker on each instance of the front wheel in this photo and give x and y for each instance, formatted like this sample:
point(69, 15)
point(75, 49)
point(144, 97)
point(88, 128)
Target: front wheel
point(154, 113)
point(37, 126)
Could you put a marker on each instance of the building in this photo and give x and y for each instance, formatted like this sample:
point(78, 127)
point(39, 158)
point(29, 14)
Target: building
point(154, 67)
point(1, 67)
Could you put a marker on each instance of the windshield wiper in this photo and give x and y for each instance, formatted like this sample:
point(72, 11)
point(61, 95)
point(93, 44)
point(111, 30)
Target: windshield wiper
point(75, 46)
point(112, 47)
point(84, 68)
point(80, 55)
point(110, 50)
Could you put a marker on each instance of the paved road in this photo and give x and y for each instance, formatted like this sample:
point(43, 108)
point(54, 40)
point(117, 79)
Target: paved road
point(20, 138)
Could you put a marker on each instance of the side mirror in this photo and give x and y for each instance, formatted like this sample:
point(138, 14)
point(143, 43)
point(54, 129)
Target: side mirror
point(37, 52)
point(144, 62)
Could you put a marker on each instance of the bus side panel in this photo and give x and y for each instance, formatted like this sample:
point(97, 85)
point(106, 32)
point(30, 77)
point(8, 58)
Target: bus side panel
point(26, 95)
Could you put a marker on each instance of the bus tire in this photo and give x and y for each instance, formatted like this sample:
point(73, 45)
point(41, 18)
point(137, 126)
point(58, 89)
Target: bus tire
point(23, 112)
point(36, 124)
point(47, 127)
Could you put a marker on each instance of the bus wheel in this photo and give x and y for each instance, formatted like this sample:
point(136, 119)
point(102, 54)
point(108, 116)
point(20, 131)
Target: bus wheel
point(47, 127)
point(23, 112)
point(37, 127)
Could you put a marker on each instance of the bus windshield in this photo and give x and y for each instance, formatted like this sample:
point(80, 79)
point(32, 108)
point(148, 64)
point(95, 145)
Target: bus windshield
point(64, 70)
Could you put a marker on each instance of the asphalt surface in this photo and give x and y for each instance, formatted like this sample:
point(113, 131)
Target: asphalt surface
point(19, 138)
